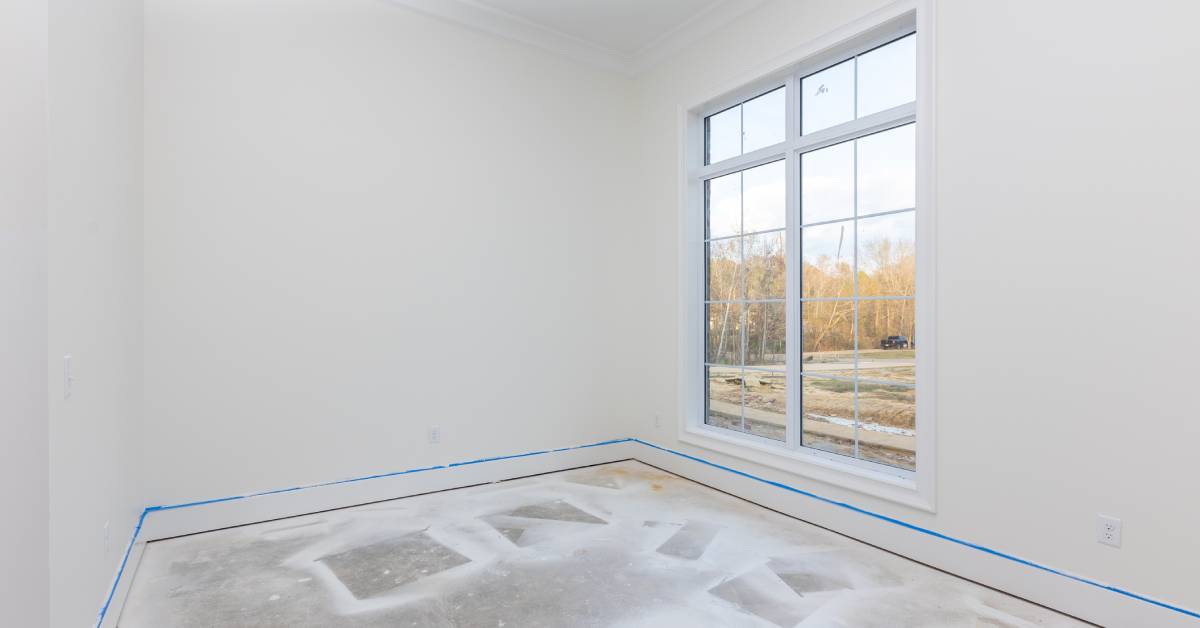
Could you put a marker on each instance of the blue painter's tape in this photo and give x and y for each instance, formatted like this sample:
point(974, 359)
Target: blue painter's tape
point(151, 509)
point(787, 487)
point(926, 531)
point(137, 529)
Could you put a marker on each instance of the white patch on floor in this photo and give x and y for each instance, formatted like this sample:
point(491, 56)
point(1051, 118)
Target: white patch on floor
point(621, 544)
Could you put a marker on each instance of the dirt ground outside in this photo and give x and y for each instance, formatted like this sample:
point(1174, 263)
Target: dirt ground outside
point(881, 406)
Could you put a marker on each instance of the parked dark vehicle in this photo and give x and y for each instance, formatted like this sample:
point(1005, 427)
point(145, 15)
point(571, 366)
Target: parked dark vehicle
point(894, 342)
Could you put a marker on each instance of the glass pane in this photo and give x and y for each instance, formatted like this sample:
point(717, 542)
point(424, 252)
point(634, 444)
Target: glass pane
point(766, 265)
point(725, 272)
point(887, 340)
point(723, 344)
point(887, 255)
point(724, 205)
point(887, 170)
point(764, 197)
point(887, 424)
point(827, 184)
point(766, 334)
point(827, 98)
point(827, 253)
point(887, 76)
point(763, 121)
point(827, 415)
point(724, 131)
point(765, 395)
point(724, 397)
point(827, 340)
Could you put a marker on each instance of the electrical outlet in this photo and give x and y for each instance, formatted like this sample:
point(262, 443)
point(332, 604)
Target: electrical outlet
point(106, 538)
point(657, 420)
point(435, 435)
point(1108, 530)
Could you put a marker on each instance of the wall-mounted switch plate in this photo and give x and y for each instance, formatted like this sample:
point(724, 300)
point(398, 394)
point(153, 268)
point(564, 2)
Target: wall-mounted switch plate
point(67, 376)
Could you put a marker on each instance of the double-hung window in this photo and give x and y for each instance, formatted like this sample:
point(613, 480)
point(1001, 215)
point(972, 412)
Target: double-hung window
point(807, 188)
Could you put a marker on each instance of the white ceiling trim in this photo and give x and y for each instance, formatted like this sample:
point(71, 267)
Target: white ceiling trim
point(696, 28)
point(503, 24)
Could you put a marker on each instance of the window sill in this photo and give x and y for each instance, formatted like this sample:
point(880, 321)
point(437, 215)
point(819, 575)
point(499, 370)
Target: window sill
point(905, 491)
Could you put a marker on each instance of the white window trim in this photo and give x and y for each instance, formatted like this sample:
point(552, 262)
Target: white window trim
point(914, 489)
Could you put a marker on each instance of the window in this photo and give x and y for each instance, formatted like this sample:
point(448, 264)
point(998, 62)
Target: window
point(808, 196)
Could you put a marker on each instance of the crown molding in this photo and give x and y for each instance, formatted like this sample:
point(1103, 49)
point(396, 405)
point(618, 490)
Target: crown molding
point(490, 20)
point(503, 24)
point(693, 30)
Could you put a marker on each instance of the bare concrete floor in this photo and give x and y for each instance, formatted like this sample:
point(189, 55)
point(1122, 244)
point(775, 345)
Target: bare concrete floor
point(622, 544)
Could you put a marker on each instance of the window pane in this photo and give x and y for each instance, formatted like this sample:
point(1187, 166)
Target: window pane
point(765, 395)
point(766, 334)
point(724, 397)
point(887, 255)
point(887, 76)
point(764, 197)
point(827, 98)
point(725, 272)
point(827, 251)
point(724, 205)
point(887, 424)
point(724, 337)
point(887, 170)
point(827, 184)
point(887, 340)
point(724, 131)
point(763, 121)
point(766, 265)
point(827, 338)
point(827, 415)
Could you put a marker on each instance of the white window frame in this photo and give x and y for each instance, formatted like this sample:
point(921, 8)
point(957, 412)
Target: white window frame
point(912, 488)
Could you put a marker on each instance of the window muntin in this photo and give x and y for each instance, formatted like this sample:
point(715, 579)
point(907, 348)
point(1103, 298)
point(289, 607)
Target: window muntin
point(764, 120)
point(746, 127)
point(858, 285)
point(867, 83)
point(745, 307)
point(854, 281)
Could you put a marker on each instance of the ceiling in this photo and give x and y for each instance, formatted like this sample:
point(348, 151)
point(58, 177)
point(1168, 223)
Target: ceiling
point(624, 35)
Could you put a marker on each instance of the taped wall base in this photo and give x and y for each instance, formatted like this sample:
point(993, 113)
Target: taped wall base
point(1077, 596)
point(176, 521)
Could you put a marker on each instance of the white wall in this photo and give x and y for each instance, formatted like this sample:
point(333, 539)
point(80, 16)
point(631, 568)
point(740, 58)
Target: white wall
point(24, 447)
point(1067, 226)
point(95, 296)
point(361, 222)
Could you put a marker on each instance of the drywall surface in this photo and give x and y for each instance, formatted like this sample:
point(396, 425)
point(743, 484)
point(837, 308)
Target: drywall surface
point(95, 297)
point(1066, 227)
point(24, 447)
point(362, 222)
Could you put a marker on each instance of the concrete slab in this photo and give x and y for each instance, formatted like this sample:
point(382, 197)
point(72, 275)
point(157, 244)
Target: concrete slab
point(622, 545)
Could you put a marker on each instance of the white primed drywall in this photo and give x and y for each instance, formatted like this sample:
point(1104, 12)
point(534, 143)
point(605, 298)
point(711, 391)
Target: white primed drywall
point(1066, 229)
point(94, 297)
point(24, 443)
point(361, 222)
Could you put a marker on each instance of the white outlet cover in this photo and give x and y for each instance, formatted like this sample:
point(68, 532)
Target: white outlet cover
point(1108, 530)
